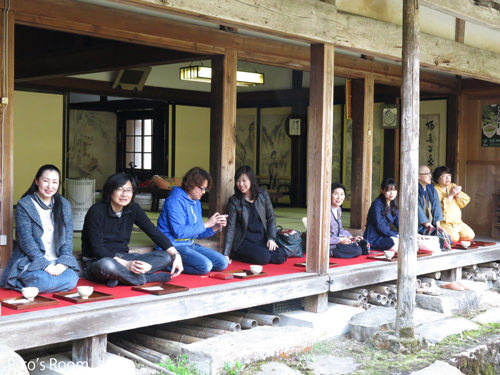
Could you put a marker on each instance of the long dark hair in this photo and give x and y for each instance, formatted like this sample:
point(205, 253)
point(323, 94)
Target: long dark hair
point(254, 183)
point(439, 171)
point(195, 177)
point(116, 181)
point(387, 184)
point(57, 212)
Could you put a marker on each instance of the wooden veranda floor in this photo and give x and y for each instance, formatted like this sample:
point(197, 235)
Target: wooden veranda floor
point(86, 320)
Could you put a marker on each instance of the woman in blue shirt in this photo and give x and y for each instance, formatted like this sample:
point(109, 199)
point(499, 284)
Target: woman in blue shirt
point(382, 223)
point(181, 221)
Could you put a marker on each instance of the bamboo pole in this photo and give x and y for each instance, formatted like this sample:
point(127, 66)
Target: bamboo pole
point(244, 322)
point(348, 295)
point(188, 331)
point(490, 264)
point(179, 337)
point(169, 347)
point(434, 275)
point(262, 319)
point(215, 323)
point(151, 355)
point(117, 350)
point(344, 301)
point(408, 223)
point(204, 329)
point(382, 289)
point(362, 291)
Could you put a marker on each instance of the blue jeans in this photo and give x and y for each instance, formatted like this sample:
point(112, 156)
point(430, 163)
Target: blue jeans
point(102, 270)
point(46, 283)
point(200, 260)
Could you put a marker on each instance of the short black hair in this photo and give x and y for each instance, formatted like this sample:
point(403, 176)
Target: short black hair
point(116, 181)
point(337, 185)
point(439, 171)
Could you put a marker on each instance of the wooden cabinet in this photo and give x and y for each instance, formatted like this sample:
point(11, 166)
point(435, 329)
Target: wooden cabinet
point(495, 220)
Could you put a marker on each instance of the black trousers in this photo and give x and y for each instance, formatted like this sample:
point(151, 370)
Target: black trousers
point(255, 253)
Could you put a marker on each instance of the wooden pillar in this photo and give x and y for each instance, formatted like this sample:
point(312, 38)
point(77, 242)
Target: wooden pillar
point(452, 134)
point(298, 185)
point(90, 350)
point(362, 149)
point(222, 131)
point(6, 134)
point(408, 203)
point(320, 167)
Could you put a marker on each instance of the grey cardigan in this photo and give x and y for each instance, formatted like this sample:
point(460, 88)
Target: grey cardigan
point(237, 220)
point(29, 250)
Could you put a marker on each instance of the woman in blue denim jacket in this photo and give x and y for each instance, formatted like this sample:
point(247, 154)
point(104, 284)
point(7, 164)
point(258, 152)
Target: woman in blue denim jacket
point(382, 223)
point(43, 255)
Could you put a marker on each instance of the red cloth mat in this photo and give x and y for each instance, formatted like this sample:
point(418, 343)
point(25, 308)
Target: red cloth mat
point(190, 281)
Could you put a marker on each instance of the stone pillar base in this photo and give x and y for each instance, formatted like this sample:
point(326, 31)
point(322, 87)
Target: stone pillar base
point(389, 341)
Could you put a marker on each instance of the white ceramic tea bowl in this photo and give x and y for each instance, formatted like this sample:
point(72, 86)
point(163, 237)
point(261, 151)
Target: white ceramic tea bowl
point(465, 244)
point(85, 291)
point(30, 293)
point(389, 254)
point(255, 269)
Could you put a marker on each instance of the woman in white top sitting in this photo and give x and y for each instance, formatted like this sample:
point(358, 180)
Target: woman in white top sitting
point(43, 254)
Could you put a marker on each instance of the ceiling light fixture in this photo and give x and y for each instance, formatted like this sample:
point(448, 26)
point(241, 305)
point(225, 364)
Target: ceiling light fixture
point(200, 73)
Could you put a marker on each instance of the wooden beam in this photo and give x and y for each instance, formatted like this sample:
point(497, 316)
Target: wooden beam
point(87, 86)
point(362, 150)
point(408, 224)
point(391, 74)
point(320, 166)
point(105, 58)
point(93, 20)
point(306, 20)
point(223, 131)
point(90, 350)
point(383, 39)
point(468, 11)
point(7, 138)
point(87, 19)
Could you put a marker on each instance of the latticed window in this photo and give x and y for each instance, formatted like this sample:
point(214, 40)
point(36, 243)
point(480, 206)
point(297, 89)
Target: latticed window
point(139, 143)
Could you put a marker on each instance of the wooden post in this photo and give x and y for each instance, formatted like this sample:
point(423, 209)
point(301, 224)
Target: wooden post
point(91, 350)
point(362, 149)
point(410, 94)
point(6, 135)
point(320, 167)
point(222, 131)
point(452, 135)
point(298, 185)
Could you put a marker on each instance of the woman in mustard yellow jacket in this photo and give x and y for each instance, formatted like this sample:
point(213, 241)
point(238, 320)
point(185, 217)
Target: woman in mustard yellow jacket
point(452, 199)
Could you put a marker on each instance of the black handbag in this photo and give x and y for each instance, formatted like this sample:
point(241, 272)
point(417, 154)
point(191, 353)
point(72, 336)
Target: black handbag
point(290, 241)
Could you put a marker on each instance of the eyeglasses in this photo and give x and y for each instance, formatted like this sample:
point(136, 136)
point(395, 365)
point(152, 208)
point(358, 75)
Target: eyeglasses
point(126, 191)
point(447, 175)
point(426, 174)
point(202, 189)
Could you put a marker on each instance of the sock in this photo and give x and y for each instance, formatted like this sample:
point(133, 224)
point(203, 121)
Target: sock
point(158, 277)
point(111, 283)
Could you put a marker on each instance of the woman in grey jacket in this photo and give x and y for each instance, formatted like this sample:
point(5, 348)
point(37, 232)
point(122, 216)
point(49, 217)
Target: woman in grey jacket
point(251, 224)
point(43, 255)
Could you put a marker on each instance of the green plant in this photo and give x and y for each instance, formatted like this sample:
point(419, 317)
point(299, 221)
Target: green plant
point(235, 369)
point(181, 366)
